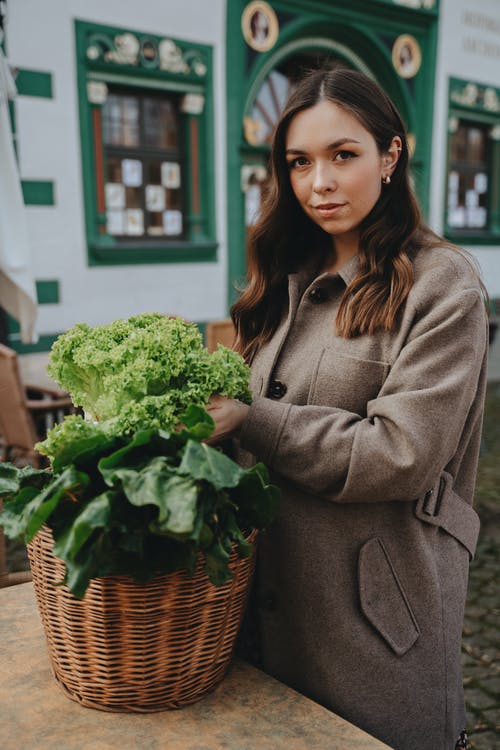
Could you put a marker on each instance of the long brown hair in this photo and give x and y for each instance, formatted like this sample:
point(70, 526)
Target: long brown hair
point(284, 237)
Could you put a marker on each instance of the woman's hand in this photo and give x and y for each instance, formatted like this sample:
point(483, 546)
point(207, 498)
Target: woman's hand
point(228, 415)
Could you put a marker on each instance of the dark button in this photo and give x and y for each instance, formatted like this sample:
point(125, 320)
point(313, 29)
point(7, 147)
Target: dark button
point(317, 295)
point(277, 389)
point(267, 601)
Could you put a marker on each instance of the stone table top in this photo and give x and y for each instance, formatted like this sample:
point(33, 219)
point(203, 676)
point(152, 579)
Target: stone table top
point(248, 710)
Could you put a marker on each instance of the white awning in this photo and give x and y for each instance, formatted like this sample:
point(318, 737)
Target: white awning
point(17, 287)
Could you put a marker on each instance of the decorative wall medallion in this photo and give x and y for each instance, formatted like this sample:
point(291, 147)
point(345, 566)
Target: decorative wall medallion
point(406, 56)
point(93, 52)
point(149, 53)
point(467, 96)
point(495, 133)
point(97, 92)
point(126, 50)
point(171, 58)
point(192, 104)
point(260, 26)
point(491, 100)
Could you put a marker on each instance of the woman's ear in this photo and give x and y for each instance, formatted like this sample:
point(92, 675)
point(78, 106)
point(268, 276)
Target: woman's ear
point(391, 156)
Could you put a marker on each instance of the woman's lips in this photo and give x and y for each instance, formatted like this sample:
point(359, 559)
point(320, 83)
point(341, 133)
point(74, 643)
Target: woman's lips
point(328, 209)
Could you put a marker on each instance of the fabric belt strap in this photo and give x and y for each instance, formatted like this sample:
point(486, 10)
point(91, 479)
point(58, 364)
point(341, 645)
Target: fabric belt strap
point(442, 507)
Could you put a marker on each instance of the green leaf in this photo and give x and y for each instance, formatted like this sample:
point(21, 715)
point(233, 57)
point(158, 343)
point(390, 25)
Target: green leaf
point(9, 479)
point(80, 572)
point(11, 518)
point(155, 484)
point(129, 455)
point(178, 504)
point(12, 478)
point(142, 485)
point(245, 548)
point(198, 422)
point(83, 453)
point(201, 461)
point(256, 499)
point(42, 506)
point(26, 518)
point(96, 514)
point(216, 564)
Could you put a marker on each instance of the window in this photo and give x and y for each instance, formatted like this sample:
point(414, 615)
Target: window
point(147, 155)
point(143, 164)
point(468, 177)
point(473, 200)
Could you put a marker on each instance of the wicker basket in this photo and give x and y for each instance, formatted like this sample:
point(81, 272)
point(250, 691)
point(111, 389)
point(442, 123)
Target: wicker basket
point(138, 647)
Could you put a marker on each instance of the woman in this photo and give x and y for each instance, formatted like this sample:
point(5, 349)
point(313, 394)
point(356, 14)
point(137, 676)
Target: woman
point(366, 335)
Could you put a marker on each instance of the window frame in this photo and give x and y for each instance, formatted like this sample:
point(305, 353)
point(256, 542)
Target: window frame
point(476, 104)
point(99, 62)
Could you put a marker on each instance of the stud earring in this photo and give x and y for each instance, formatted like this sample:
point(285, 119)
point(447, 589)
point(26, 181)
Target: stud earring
point(386, 180)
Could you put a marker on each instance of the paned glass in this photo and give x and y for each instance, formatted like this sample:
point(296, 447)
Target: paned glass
point(468, 181)
point(143, 188)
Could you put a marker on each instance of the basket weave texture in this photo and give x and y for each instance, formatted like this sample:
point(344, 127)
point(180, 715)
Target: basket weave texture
point(142, 647)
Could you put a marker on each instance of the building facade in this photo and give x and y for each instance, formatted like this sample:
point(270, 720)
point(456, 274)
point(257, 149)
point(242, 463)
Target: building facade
point(142, 133)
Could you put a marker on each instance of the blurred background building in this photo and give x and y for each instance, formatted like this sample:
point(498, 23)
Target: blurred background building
point(142, 132)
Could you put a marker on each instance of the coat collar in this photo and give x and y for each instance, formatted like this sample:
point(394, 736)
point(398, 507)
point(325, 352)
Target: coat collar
point(310, 273)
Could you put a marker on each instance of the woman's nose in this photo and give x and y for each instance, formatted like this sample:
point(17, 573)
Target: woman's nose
point(324, 179)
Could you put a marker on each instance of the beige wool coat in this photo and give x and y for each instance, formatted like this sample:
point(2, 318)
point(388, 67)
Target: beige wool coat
point(361, 581)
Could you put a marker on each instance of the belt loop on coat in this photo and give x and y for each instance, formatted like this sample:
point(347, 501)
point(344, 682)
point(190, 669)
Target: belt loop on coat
point(442, 507)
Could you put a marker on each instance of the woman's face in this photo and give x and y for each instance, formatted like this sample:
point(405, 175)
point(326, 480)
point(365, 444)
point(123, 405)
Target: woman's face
point(335, 168)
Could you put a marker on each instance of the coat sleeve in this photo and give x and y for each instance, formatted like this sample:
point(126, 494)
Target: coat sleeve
point(411, 430)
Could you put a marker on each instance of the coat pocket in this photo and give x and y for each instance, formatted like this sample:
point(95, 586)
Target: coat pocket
point(346, 382)
point(383, 600)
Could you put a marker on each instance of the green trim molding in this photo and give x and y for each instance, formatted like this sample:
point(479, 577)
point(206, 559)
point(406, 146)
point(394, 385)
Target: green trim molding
point(38, 192)
point(475, 97)
point(165, 64)
point(34, 83)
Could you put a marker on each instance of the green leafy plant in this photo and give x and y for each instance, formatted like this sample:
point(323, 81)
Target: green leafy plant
point(142, 373)
point(139, 497)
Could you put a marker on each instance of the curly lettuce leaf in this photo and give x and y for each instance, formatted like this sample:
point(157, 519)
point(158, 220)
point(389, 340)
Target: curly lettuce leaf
point(143, 372)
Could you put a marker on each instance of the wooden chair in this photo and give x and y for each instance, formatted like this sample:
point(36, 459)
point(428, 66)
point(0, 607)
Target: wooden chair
point(219, 332)
point(26, 412)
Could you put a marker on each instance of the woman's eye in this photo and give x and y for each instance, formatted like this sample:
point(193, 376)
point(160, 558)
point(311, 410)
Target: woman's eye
point(344, 155)
point(299, 161)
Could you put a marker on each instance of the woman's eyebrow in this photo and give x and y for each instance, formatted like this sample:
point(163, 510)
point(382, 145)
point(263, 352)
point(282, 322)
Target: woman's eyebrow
point(331, 146)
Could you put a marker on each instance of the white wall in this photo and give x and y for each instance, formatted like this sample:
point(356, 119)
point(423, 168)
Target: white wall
point(469, 48)
point(41, 36)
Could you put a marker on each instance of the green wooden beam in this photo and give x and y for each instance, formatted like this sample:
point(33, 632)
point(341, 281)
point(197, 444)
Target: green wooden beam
point(34, 83)
point(47, 292)
point(38, 192)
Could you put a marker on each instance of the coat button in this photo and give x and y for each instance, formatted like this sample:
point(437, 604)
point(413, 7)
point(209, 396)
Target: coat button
point(317, 295)
point(277, 389)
